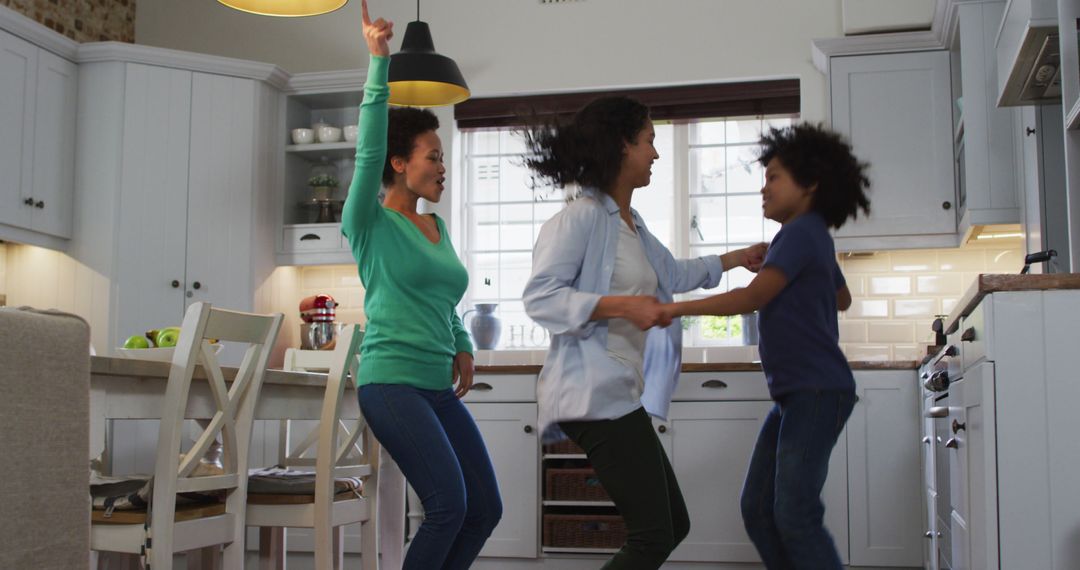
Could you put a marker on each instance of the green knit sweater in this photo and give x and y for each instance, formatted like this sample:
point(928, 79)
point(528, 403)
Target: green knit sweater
point(413, 285)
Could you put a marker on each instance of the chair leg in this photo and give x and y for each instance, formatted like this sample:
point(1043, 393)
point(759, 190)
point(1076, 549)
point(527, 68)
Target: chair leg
point(208, 558)
point(271, 548)
point(369, 547)
point(339, 547)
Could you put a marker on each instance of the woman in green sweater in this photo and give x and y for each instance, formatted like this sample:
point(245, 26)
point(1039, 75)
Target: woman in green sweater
point(415, 348)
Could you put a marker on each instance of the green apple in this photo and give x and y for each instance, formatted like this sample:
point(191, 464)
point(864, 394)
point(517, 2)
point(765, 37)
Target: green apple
point(167, 337)
point(136, 341)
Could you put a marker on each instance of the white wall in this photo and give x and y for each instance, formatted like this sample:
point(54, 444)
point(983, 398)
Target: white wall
point(868, 16)
point(523, 46)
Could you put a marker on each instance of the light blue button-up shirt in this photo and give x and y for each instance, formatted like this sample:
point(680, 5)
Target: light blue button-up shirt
point(573, 261)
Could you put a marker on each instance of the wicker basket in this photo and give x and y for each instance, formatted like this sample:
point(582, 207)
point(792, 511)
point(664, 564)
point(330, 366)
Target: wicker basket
point(584, 531)
point(565, 447)
point(580, 484)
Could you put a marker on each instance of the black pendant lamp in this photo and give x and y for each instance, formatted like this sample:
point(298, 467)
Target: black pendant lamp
point(418, 76)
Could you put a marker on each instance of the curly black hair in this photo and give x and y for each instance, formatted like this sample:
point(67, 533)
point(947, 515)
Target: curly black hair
point(405, 124)
point(818, 156)
point(586, 150)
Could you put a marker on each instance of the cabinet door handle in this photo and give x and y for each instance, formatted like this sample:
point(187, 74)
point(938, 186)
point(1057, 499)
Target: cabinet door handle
point(953, 443)
point(1029, 131)
point(528, 429)
point(718, 384)
point(968, 335)
point(175, 284)
point(957, 426)
point(662, 429)
point(40, 204)
point(482, 387)
point(946, 205)
point(926, 440)
point(938, 412)
point(196, 285)
point(929, 534)
point(28, 201)
point(307, 237)
point(952, 351)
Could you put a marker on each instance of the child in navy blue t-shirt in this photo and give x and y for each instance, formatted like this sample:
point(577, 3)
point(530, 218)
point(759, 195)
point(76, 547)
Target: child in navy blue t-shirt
point(813, 182)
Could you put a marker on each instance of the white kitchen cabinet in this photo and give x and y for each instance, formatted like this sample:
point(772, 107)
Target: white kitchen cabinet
point(988, 194)
point(972, 450)
point(896, 109)
point(173, 180)
point(37, 117)
point(709, 445)
point(512, 440)
point(883, 471)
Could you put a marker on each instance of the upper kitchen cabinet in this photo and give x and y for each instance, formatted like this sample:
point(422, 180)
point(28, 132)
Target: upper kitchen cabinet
point(896, 109)
point(175, 170)
point(986, 138)
point(37, 149)
point(311, 220)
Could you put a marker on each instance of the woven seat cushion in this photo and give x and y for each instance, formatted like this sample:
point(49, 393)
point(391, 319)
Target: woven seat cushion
point(283, 481)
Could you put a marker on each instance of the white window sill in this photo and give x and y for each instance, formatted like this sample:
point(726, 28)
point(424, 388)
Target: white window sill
point(690, 355)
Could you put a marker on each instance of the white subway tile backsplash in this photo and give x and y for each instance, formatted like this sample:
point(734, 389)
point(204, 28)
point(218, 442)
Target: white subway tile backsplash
point(890, 285)
point(868, 309)
point(942, 284)
point(896, 294)
point(891, 332)
point(868, 352)
point(317, 277)
point(913, 308)
point(852, 331)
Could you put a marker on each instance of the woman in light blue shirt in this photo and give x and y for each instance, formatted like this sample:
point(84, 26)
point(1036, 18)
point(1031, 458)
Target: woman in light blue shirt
point(598, 280)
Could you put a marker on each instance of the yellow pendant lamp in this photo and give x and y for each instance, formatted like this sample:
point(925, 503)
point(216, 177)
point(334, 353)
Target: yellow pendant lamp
point(418, 76)
point(285, 8)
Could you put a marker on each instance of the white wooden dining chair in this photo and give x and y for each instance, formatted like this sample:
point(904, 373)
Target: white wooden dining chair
point(337, 455)
point(163, 528)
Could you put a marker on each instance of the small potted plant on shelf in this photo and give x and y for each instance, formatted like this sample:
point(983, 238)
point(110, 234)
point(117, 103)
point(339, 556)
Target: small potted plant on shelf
point(323, 185)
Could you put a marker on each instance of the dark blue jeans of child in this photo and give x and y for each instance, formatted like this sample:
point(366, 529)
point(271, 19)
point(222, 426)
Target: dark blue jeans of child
point(781, 498)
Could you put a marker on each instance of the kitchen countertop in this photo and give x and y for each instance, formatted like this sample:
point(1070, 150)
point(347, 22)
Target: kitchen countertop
point(709, 367)
point(986, 284)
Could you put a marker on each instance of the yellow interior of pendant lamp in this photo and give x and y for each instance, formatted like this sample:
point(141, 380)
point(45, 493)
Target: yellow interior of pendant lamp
point(286, 8)
point(426, 93)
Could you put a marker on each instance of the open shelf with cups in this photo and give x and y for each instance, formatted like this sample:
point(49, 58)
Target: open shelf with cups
point(319, 149)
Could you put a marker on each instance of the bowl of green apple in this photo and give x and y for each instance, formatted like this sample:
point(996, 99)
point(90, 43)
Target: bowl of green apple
point(156, 344)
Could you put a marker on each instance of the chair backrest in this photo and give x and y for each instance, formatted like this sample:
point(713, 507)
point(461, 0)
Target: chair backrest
point(334, 442)
point(234, 405)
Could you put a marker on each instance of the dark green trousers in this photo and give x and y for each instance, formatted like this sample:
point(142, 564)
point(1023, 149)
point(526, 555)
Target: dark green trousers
point(635, 471)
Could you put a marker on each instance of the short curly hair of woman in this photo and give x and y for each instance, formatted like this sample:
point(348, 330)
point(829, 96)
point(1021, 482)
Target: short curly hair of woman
point(405, 124)
point(818, 156)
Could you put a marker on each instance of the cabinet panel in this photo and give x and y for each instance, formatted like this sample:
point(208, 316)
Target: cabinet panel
point(896, 111)
point(509, 431)
point(18, 67)
point(152, 229)
point(54, 145)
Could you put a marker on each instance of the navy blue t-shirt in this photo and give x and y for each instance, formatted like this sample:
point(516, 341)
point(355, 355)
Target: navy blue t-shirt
point(799, 334)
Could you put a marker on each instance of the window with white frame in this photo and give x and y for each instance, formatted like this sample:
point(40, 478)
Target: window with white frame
point(704, 199)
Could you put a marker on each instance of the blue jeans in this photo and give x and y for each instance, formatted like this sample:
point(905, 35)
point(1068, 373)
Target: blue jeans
point(438, 447)
point(781, 498)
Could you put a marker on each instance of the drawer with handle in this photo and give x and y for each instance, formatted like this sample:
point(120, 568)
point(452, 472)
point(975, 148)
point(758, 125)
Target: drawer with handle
point(313, 237)
point(974, 335)
point(710, 386)
point(502, 388)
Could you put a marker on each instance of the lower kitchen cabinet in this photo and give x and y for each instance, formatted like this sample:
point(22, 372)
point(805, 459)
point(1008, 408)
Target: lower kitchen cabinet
point(884, 483)
point(512, 440)
point(709, 444)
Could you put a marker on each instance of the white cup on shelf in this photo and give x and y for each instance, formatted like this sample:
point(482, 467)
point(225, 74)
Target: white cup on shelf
point(351, 131)
point(303, 136)
point(328, 134)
